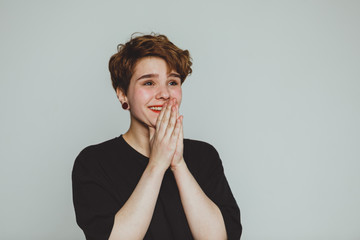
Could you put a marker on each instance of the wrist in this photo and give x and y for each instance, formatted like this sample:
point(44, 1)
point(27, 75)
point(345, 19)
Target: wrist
point(156, 168)
point(179, 166)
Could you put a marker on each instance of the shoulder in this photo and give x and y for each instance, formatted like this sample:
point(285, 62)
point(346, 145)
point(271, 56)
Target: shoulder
point(90, 156)
point(201, 156)
point(199, 147)
point(100, 147)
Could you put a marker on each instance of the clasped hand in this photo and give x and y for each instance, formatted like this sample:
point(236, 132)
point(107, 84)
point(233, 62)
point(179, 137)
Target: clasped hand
point(166, 139)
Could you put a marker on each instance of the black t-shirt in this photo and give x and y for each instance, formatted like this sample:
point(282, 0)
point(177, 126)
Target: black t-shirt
point(105, 175)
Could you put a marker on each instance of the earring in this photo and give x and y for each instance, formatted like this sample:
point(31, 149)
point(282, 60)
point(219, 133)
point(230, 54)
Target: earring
point(125, 106)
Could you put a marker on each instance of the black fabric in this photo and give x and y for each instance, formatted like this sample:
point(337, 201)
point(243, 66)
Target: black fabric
point(105, 175)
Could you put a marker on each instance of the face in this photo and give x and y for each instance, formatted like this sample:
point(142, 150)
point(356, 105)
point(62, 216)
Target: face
point(151, 85)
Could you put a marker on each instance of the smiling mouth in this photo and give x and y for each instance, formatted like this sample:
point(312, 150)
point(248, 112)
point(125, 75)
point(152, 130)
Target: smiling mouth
point(156, 109)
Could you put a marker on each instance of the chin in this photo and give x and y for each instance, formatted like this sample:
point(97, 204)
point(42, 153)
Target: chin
point(153, 124)
point(150, 123)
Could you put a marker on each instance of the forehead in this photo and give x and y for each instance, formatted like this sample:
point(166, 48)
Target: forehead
point(151, 64)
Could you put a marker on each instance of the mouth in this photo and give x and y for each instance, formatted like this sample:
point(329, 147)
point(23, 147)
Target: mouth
point(156, 108)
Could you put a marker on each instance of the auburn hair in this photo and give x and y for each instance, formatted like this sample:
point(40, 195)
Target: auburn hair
point(122, 63)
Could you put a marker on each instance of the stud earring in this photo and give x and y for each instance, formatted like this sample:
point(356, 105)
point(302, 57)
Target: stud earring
point(125, 106)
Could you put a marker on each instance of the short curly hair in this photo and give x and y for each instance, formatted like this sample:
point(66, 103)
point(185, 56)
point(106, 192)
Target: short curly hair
point(122, 63)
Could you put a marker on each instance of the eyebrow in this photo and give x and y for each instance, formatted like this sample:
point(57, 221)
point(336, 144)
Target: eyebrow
point(152, 75)
point(175, 75)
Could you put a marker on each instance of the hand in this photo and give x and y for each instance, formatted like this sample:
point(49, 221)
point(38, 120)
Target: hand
point(164, 138)
point(178, 155)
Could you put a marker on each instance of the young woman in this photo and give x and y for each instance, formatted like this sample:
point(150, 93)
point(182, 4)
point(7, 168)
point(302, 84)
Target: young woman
point(150, 182)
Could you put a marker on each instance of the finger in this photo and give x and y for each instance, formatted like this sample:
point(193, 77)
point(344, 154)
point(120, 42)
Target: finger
point(176, 133)
point(178, 116)
point(181, 134)
point(165, 120)
point(180, 140)
point(161, 115)
point(177, 111)
point(172, 122)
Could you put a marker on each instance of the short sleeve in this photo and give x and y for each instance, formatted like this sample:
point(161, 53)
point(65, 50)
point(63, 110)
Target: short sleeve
point(218, 190)
point(95, 206)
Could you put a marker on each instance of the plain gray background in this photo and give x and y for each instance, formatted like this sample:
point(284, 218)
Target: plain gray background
point(275, 88)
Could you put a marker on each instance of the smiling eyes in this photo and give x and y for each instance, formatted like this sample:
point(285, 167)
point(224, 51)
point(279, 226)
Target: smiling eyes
point(151, 83)
point(173, 83)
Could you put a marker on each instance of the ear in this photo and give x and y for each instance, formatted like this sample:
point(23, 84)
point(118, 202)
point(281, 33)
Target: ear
point(121, 95)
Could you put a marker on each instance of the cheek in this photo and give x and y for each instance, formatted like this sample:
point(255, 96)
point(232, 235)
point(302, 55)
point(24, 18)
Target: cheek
point(141, 95)
point(177, 93)
point(145, 93)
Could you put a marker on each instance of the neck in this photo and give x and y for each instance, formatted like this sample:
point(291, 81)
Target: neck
point(138, 137)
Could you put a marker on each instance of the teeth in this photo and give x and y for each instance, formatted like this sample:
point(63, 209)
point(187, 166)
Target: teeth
point(156, 108)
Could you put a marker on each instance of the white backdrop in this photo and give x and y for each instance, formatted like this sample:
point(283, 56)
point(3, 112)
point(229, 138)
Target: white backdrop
point(275, 88)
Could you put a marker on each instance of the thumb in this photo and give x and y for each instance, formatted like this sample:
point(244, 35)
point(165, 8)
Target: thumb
point(151, 133)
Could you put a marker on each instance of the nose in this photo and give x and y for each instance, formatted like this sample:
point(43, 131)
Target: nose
point(163, 93)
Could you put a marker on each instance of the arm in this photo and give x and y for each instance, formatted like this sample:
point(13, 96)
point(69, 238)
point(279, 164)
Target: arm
point(204, 217)
point(97, 207)
point(133, 219)
point(99, 212)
